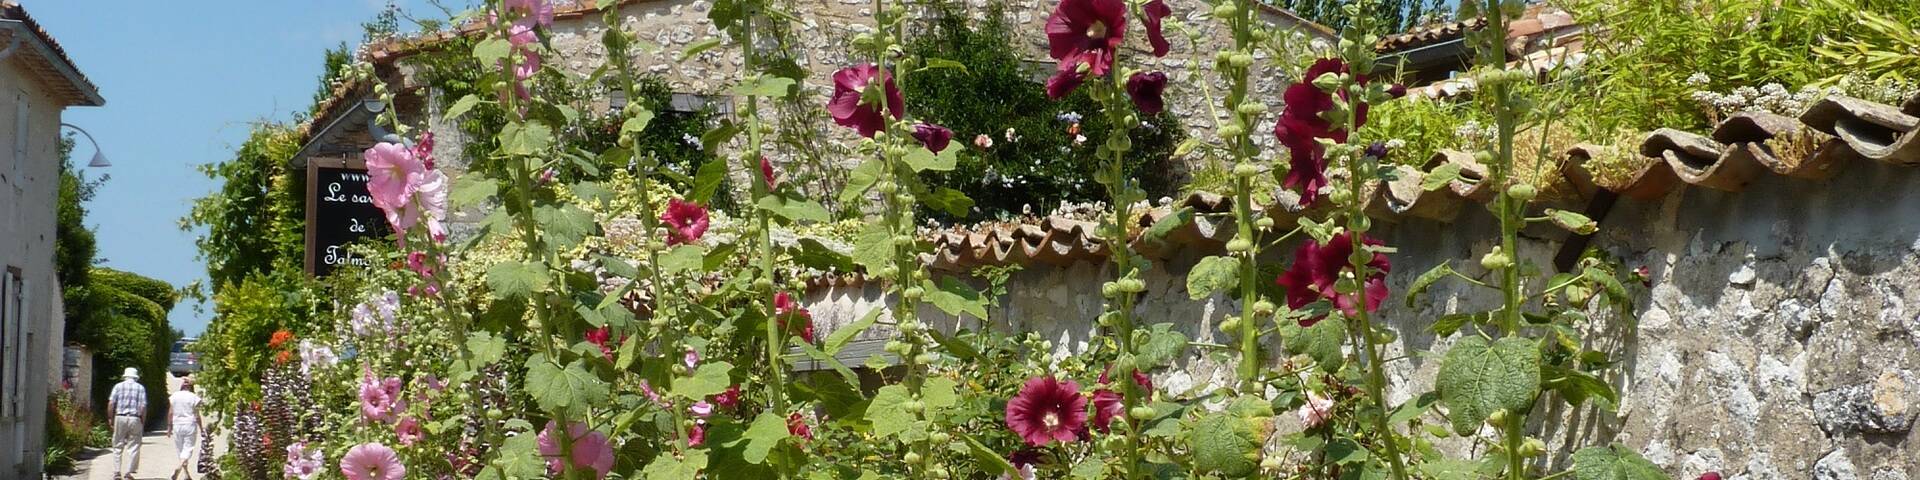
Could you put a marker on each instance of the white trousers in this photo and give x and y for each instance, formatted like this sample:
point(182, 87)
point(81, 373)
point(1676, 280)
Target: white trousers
point(186, 441)
point(126, 444)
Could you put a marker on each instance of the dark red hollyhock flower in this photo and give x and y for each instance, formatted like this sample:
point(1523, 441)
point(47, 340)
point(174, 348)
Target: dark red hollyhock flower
point(1156, 10)
point(766, 173)
point(1300, 124)
point(1397, 90)
point(686, 222)
point(797, 426)
point(934, 137)
point(602, 337)
point(1024, 457)
point(1108, 404)
point(784, 307)
point(728, 399)
point(697, 435)
point(1710, 476)
point(847, 107)
point(1083, 32)
point(1047, 409)
point(1145, 88)
point(1316, 267)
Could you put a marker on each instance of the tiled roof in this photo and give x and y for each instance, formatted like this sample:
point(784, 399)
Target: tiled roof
point(82, 87)
point(1537, 19)
point(1834, 132)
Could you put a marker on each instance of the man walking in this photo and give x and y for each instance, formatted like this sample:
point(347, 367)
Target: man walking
point(129, 405)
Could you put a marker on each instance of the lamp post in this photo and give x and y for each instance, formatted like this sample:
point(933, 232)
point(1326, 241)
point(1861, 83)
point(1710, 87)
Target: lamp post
point(99, 158)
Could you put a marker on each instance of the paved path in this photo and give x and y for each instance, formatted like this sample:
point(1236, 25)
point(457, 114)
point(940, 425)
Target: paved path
point(157, 457)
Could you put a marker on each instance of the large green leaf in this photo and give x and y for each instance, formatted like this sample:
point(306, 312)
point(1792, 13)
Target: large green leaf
point(669, 467)
point(765, 86)
point(1425, 280)
point(873, 248)
point(682, 258)
point(636, 123)
point(795, 209)
point(953, 202)
point(1162, 346)
point(1322, 341)
point(987, 459)
point(558, 389)
point(921, 159)
point(1212, 274)
point(886, 413)
point(839, 338)
point(516, 279)
point(519, 457)
point(707, 180)
point(525, 139)
point(955, 298)
point(563, 226)
point(1614, 462)
point(939, 393)
point(461, 106)
point(1477, 379)
point(767, 431)
point(485, 348)
point(862, 178)
point(710, 379)
point(1224, 444)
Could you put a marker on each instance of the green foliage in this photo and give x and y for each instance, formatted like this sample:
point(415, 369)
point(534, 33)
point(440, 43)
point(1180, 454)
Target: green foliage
point(233, 351)
point(256, 221)
point(1426, 125)
point(1392, 16)
point(1615, 462)
point(1477, 379)
point(997, 93)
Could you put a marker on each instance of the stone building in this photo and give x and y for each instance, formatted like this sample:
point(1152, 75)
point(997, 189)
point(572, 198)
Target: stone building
point(37, 82)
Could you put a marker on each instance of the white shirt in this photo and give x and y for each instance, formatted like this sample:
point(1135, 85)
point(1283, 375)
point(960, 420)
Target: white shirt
point(185, 408)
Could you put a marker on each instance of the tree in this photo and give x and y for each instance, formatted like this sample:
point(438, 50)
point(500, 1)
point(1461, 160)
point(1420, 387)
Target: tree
point(1394, 15)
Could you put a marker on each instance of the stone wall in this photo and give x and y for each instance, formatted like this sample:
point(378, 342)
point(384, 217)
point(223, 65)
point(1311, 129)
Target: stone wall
point(1777, 339)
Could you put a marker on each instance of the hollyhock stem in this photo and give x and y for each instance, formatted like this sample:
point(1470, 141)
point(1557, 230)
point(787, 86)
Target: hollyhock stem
point(649, 223)
point(1120, 191)
point(763, 240)
point(1511, 210)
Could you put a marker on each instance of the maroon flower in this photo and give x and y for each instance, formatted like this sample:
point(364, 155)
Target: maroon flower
point(1710, 476)
point(849, 107)
point(1024, 458)
point(1397, 90)
point(1047, 409)
point(1108, 403)
point(1317, 267)
point(934, 137)
point(728, 399)
point(602, 337)
point(797, 426)
point(697, 435)
point(1300, 125)
point(766, 173)
point(1145, 88)
point(1156, 10)
point(784, 307)
point(686, 222)
point(1083, 32)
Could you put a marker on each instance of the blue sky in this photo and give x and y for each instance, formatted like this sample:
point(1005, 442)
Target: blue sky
point(183, 81)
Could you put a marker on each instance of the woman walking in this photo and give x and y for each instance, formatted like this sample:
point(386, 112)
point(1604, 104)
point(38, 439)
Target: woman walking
point(183, 424)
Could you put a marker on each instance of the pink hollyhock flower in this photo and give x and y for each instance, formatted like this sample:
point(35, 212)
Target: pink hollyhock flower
point(646, 388)
point(1316, 412)
point(686, 222)
point(379, 399)
point(1317, 267)
point(1083, 32)
point(797, 426)
point(1710, 476)
point(691, 359)
point(849, 105)
point(784, 307)
point(701, 409)
point(934, 137)
point(1047, 409)
point(983, 141)
point(590, 449)
point(766, 173)
point(1109, 403)
point(728, 399)
point(1155, 11)
point(540, 11)
point(1146, 89)
point(697, 435)
point(1300, 125)
point(303, 464)
point(372, 461)
point(408, 430)
point(392, 174)
point(602, 337)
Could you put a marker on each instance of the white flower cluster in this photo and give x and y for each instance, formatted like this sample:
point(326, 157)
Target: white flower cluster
point(1771, 98)
point(1472, 133)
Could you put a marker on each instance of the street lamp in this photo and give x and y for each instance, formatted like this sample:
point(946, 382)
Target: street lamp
point(99, 158)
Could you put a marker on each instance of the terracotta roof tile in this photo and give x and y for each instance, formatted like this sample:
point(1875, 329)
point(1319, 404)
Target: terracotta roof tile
point(1740, 149)
point(11, 10)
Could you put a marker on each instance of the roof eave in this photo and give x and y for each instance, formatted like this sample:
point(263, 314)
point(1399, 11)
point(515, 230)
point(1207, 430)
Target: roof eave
point(89, 94)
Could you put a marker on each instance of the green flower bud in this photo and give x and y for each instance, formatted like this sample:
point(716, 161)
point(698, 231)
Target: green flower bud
point(1133, 285)
point(911, 327)
point(624, 141)
point(903, 198)
point(1231, 131)
point(939, 472)
point(679, 369)
point(1264, 307)
point(1241, 60)
point(1270, 463)
point(1110, 289)
point(1532, 447)
point(1496, 260)
point(1238, 245)
point(903, 240)
point(913, 294)
point(1251, 108)
point(762, 283)
point(926, 358)
point(912, 406)
point(939, 437)
point(1231, 325)
point(1483, 157)
point(886, 187)
point(889, 271)
point(1522, 192)
point(1142, 412)
point(657, 322)
point(1222, 57)
point(1246, 170)
point(1498, 418)
point(1264, 223)
point(912, 458)
point(1119, 143)
point(896, 347)
point(1260, 35)
point(495, 414)
point(1224, 10)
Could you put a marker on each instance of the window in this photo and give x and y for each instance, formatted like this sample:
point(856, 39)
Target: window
point(21, 113)
point(10, 348)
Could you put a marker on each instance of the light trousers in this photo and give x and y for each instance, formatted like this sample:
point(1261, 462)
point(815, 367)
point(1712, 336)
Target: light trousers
point(126, 444)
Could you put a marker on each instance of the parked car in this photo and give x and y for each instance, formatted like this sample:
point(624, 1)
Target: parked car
point(183, 361)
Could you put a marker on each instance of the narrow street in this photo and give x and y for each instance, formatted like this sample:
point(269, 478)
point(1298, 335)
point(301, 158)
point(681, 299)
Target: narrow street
point(157, 455)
